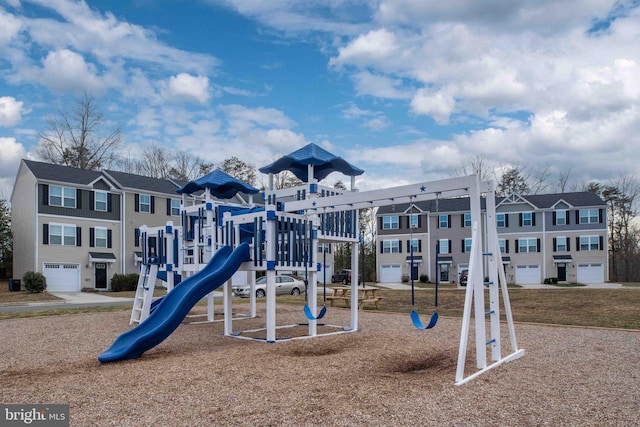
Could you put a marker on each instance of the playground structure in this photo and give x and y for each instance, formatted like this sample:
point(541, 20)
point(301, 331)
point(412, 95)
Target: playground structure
point(284, 236)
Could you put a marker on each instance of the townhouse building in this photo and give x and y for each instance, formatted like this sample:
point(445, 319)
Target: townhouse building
point(559, 237)
point(80, 227)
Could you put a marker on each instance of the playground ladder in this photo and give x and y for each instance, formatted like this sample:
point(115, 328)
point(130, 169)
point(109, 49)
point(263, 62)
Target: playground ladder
point(144, 294)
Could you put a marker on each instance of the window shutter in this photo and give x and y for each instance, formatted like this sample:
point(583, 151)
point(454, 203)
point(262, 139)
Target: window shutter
point(168, 207)
point(553, 218)
point(92, 237)
point(600, 216)
point(136, 202)
point(449, 247)
point(555, 246)
point(578, 244)
point(381, 248)
point(153, 204)
point(408, 246)
point(45, 195)
point(567, 216)
point(568, 245)
point(399, 248)
point(533, 219)
point(136, 238)
point(448, 221)
point(45, 234)
point(419, 245)
point(601, 243)
point(92, 200)
point(462, 220)
point(78, 236)
point(506, 246)
point(520, 218)
point(109, 239)
point(506, 220)
point(381, 221)
point(462, 245)
point(538, 245)
point(577, 217)
point(78, 198)
point(109, 202)
point(517, 246)
point(419, 221)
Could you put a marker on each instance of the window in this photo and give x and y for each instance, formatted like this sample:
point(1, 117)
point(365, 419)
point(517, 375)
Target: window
point(467, 220)
point(175, 207)
point(561, 217)
point(501, 220)
point(413, 220)
point(391, 246)
point(144, 203)
point(324, 248)
point(444, 246)
point(390, 222)
point(467, 245)
point(62, 196)
point(589, 243)
point(100, 237)
point(561, 244)
point(64, 235)
point(100, 201)
point(589, 216)
point(414, 244)
point(443, 221)
point(503, 246)
point(527, 245)
point(527, 219)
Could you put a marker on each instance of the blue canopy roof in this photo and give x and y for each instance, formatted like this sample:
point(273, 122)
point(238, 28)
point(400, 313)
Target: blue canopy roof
point(220, 184)
point(323, 164)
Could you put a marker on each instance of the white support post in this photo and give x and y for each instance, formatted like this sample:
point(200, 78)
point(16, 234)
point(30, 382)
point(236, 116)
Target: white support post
point(312, 285)
point(477, 280)
point(493, 253)
point(253, 310)
point(227, 295)
point(354, 284)
point(271, 231)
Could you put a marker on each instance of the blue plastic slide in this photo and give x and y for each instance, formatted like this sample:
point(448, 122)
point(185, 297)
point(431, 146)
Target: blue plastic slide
point(176, 305)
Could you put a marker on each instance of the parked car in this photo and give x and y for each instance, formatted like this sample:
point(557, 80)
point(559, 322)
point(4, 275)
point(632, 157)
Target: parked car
point(344, 276)
point(463, 277)
point(285, 285)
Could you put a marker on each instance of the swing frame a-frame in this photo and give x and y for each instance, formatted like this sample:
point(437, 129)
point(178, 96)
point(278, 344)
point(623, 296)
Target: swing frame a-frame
point(485, 261)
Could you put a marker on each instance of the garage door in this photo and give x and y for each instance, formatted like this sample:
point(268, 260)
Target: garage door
point(390, 273)
point(62, 277)
point(527, 274)
point(590, 273)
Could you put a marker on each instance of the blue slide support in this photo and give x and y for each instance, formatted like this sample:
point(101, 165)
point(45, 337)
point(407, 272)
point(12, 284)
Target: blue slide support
point(175, 306)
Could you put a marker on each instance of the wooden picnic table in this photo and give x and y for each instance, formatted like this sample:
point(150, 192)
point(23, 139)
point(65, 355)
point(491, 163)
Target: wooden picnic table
point(367, 294)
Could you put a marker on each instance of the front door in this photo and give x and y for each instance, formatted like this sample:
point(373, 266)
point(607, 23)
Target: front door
point(562, 272)
point(101, 275)
point(444, 273)
point(414, 272)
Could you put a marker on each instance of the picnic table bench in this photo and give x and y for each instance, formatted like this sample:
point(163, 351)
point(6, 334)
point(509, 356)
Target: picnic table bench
point(366, 295)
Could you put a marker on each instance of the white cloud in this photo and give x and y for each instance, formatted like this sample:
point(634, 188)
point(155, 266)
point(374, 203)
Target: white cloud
point(67, 71)
point(380, 86)
point(373, 47)
point(185, 87)
point(10, 111)
point(12, 152)
point(436, 104)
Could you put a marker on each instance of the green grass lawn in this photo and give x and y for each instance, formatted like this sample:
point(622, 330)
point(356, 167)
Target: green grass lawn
point(577, 306)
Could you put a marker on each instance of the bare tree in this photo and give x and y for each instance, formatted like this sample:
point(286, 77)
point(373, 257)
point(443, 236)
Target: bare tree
point(155, 162)
point(245, 172)
point(187, 166)
point(75, 138)
point(563, 179)
point(476, 165)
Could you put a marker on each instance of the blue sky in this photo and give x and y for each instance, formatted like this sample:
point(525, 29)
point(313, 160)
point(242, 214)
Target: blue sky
point(408, 90)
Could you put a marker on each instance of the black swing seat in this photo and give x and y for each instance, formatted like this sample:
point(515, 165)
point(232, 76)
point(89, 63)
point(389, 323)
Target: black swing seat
point(415, 318)
point(310, 316)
